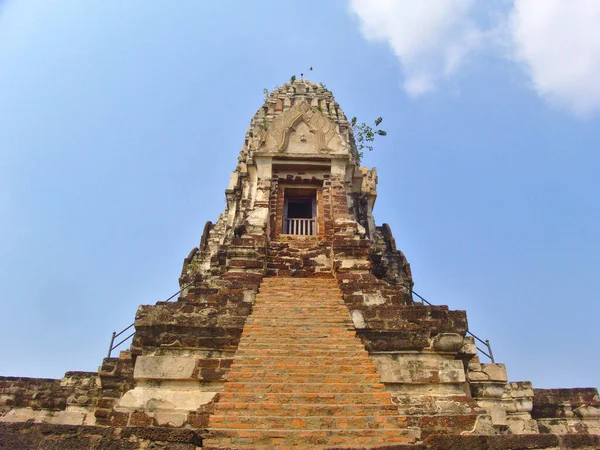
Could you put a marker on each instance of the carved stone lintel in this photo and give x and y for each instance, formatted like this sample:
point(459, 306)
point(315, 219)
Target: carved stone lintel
point(302, 129)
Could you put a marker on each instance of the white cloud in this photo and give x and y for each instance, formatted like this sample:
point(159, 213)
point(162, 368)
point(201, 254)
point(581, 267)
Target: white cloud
point(431, 38)
point(558, 43)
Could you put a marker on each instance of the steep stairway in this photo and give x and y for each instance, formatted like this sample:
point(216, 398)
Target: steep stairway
point(302, 379)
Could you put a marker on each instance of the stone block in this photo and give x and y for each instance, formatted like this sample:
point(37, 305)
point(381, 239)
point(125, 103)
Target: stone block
point(447, 342)
point(170, 419)
point(418, 368)
point(558, 403)
point(522, 423)
point(468, 348)
point(176, 397)
point(495, 409)
point(164, 368)
point(487, 372)
point(487, 390)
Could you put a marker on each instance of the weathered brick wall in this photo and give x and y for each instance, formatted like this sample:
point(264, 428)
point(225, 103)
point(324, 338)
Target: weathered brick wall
point(207, 317)
point(203, 326)
point(384, 314)
point(575, 410)
point(116, 378)
point(75, 389)
point(553, 403)
point(35, 393)
point(306, 256)
point(83, 388)
point(515, 442)
point(328, 223)
point(389, 263)
point(29, 436)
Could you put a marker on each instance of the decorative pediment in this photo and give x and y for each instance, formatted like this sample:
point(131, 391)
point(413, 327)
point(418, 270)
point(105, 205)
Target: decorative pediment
point(302, 129)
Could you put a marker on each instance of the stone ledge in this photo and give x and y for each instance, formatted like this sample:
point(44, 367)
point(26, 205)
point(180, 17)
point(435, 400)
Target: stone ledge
point(24, 436)
point(512, 442)
point(563, 403)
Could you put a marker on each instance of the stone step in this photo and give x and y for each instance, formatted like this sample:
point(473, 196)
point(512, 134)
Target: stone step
point(304, 299)
point(299, 299)
point(304, 409)
point(315, 334)
point(307, 329)
point(293, 323)
point(302, 378)
point(291, 347)
point(302, 317)
point(298, 352)
point(373, 422)
point(307, 288)
point(332, 296)
point(308, 332)
point(307, 310)
point(323, 299)
point(292, 344)
point(307, 439)
point(361, 361)
point(300, 313)
point(298, 281)
point(320, 398)
point(287, 345)
point(282, 377)
point(299, 319)
point(268, 387)
point(308, 369)
point(299, 338)
point(288, 292)
point(286, 335)
point(318, 319)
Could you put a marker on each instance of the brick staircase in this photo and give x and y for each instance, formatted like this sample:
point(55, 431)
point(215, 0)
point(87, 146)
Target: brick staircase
point(302, 379)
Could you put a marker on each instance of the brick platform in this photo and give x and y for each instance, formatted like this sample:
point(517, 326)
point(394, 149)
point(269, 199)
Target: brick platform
point(301, 377)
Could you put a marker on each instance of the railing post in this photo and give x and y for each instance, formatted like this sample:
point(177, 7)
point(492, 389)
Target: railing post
point(300, 226)
point(112, 341)
point(487, 343)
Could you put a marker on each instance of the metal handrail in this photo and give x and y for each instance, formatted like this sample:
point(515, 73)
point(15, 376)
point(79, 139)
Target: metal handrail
point(489, 352)
point(113, 346)
point(487, 344)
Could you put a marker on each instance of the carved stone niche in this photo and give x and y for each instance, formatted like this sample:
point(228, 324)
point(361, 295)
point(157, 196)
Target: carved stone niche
point(303, 130)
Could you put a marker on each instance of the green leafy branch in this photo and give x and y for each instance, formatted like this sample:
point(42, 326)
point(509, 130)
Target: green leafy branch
point(364, 135)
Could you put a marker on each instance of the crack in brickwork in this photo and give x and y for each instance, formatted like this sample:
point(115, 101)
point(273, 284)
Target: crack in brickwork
point(301, 377)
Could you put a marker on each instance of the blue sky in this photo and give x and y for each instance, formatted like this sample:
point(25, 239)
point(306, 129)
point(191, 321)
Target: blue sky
point(121, 121)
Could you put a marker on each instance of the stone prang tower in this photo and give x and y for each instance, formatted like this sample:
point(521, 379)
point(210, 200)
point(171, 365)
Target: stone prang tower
point(296, 327)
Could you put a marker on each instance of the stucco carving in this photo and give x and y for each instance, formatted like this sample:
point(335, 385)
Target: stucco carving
point(369, 180)
point(302, 129)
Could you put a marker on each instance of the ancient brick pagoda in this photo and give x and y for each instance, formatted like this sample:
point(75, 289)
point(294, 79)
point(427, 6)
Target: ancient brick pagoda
point(296, 327)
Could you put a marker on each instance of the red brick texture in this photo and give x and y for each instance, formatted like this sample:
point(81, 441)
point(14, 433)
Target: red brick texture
point(301, 377)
